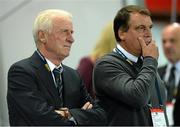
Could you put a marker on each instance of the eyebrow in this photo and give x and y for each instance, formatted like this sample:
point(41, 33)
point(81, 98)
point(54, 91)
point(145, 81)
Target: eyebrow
point(65, 30)
point(144, 25)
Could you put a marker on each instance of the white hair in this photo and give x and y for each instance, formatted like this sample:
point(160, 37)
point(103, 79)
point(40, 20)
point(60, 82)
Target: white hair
point(44, 19)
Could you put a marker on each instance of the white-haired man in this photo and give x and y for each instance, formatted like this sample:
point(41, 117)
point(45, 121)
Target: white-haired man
point(43, 91)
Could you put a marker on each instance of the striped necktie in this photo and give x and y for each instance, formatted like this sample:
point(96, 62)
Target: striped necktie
point(58, 79)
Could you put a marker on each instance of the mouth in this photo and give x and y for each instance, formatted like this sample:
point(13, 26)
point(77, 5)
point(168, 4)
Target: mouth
point(147, 41)
point(67, 46)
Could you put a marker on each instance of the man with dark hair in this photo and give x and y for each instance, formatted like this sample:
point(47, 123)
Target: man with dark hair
point(126, 81)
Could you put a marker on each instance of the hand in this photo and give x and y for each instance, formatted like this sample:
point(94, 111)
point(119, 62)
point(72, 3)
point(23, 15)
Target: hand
point(87, 105)
point(64, 112)
point(149, 49)
point(60, 113)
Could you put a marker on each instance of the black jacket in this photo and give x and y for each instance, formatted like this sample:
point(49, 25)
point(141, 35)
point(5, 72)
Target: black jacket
point(32, 96)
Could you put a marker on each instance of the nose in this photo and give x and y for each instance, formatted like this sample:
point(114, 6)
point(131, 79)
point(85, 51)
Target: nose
point(70, 38)
point(147, 32)
point(167, 44)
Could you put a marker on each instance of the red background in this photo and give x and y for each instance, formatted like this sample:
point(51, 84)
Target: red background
point(162, 7)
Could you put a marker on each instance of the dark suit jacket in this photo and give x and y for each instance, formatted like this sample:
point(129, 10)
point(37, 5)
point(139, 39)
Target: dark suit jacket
point(124, 92)
point(176, 113)
point(32, 96)
point(170, 88)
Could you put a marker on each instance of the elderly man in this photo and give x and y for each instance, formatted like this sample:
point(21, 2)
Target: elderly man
point(170, 72)
point(42, 90)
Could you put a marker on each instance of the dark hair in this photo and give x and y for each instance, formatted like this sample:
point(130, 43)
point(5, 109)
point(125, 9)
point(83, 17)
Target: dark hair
point(122, 18)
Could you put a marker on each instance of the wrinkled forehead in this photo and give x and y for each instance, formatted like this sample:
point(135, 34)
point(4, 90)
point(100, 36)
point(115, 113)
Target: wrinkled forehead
point(62, 23)
point(62, 20)
point(137, 19)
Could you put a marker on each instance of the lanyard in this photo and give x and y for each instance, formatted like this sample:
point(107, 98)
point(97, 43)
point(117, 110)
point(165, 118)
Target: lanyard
point(44, 60)
point(120, 53)
point(156, 82)
point(158, 93)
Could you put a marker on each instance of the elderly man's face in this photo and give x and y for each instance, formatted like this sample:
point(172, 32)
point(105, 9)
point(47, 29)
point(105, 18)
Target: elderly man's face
point(60, 38)
point(171, 42)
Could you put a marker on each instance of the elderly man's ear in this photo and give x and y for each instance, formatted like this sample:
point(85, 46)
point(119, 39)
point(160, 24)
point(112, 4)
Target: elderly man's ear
point(41, 36)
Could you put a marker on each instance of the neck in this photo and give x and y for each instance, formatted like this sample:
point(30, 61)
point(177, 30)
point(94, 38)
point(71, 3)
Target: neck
point(128, 50)
point(51, 57)
point(56, 62)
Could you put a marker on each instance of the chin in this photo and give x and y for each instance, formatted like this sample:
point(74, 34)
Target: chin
point(66, 55)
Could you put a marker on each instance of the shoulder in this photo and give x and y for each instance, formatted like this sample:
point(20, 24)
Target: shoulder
point(111, 63)
point(70, 70)
point(28, 62)
point(20, 68)
point(162, 69)
point(21, 63)
point(67, 68)
point(110, 58)
point(71, 74)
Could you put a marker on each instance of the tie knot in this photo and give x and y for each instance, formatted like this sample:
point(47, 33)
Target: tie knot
point(139, 60)
point(57, 71)
point(173, 69)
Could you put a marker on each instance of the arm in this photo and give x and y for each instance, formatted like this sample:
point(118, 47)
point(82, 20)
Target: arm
point(115, 79)
point(27, 100)
point(87, 115)
point(112, 78)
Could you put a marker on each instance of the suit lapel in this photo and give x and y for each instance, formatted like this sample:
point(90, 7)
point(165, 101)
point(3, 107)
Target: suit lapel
point(44, 75)
point(47, 79)
point(178, 91)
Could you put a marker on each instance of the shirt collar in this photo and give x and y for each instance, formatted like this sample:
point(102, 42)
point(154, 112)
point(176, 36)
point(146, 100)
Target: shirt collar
point(176, 65)
point(177, 72)
point(127, 54)
point(51, 65)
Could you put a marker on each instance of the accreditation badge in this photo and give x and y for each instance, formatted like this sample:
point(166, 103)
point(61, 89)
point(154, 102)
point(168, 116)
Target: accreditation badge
point(158, 117)
point(169, 111)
